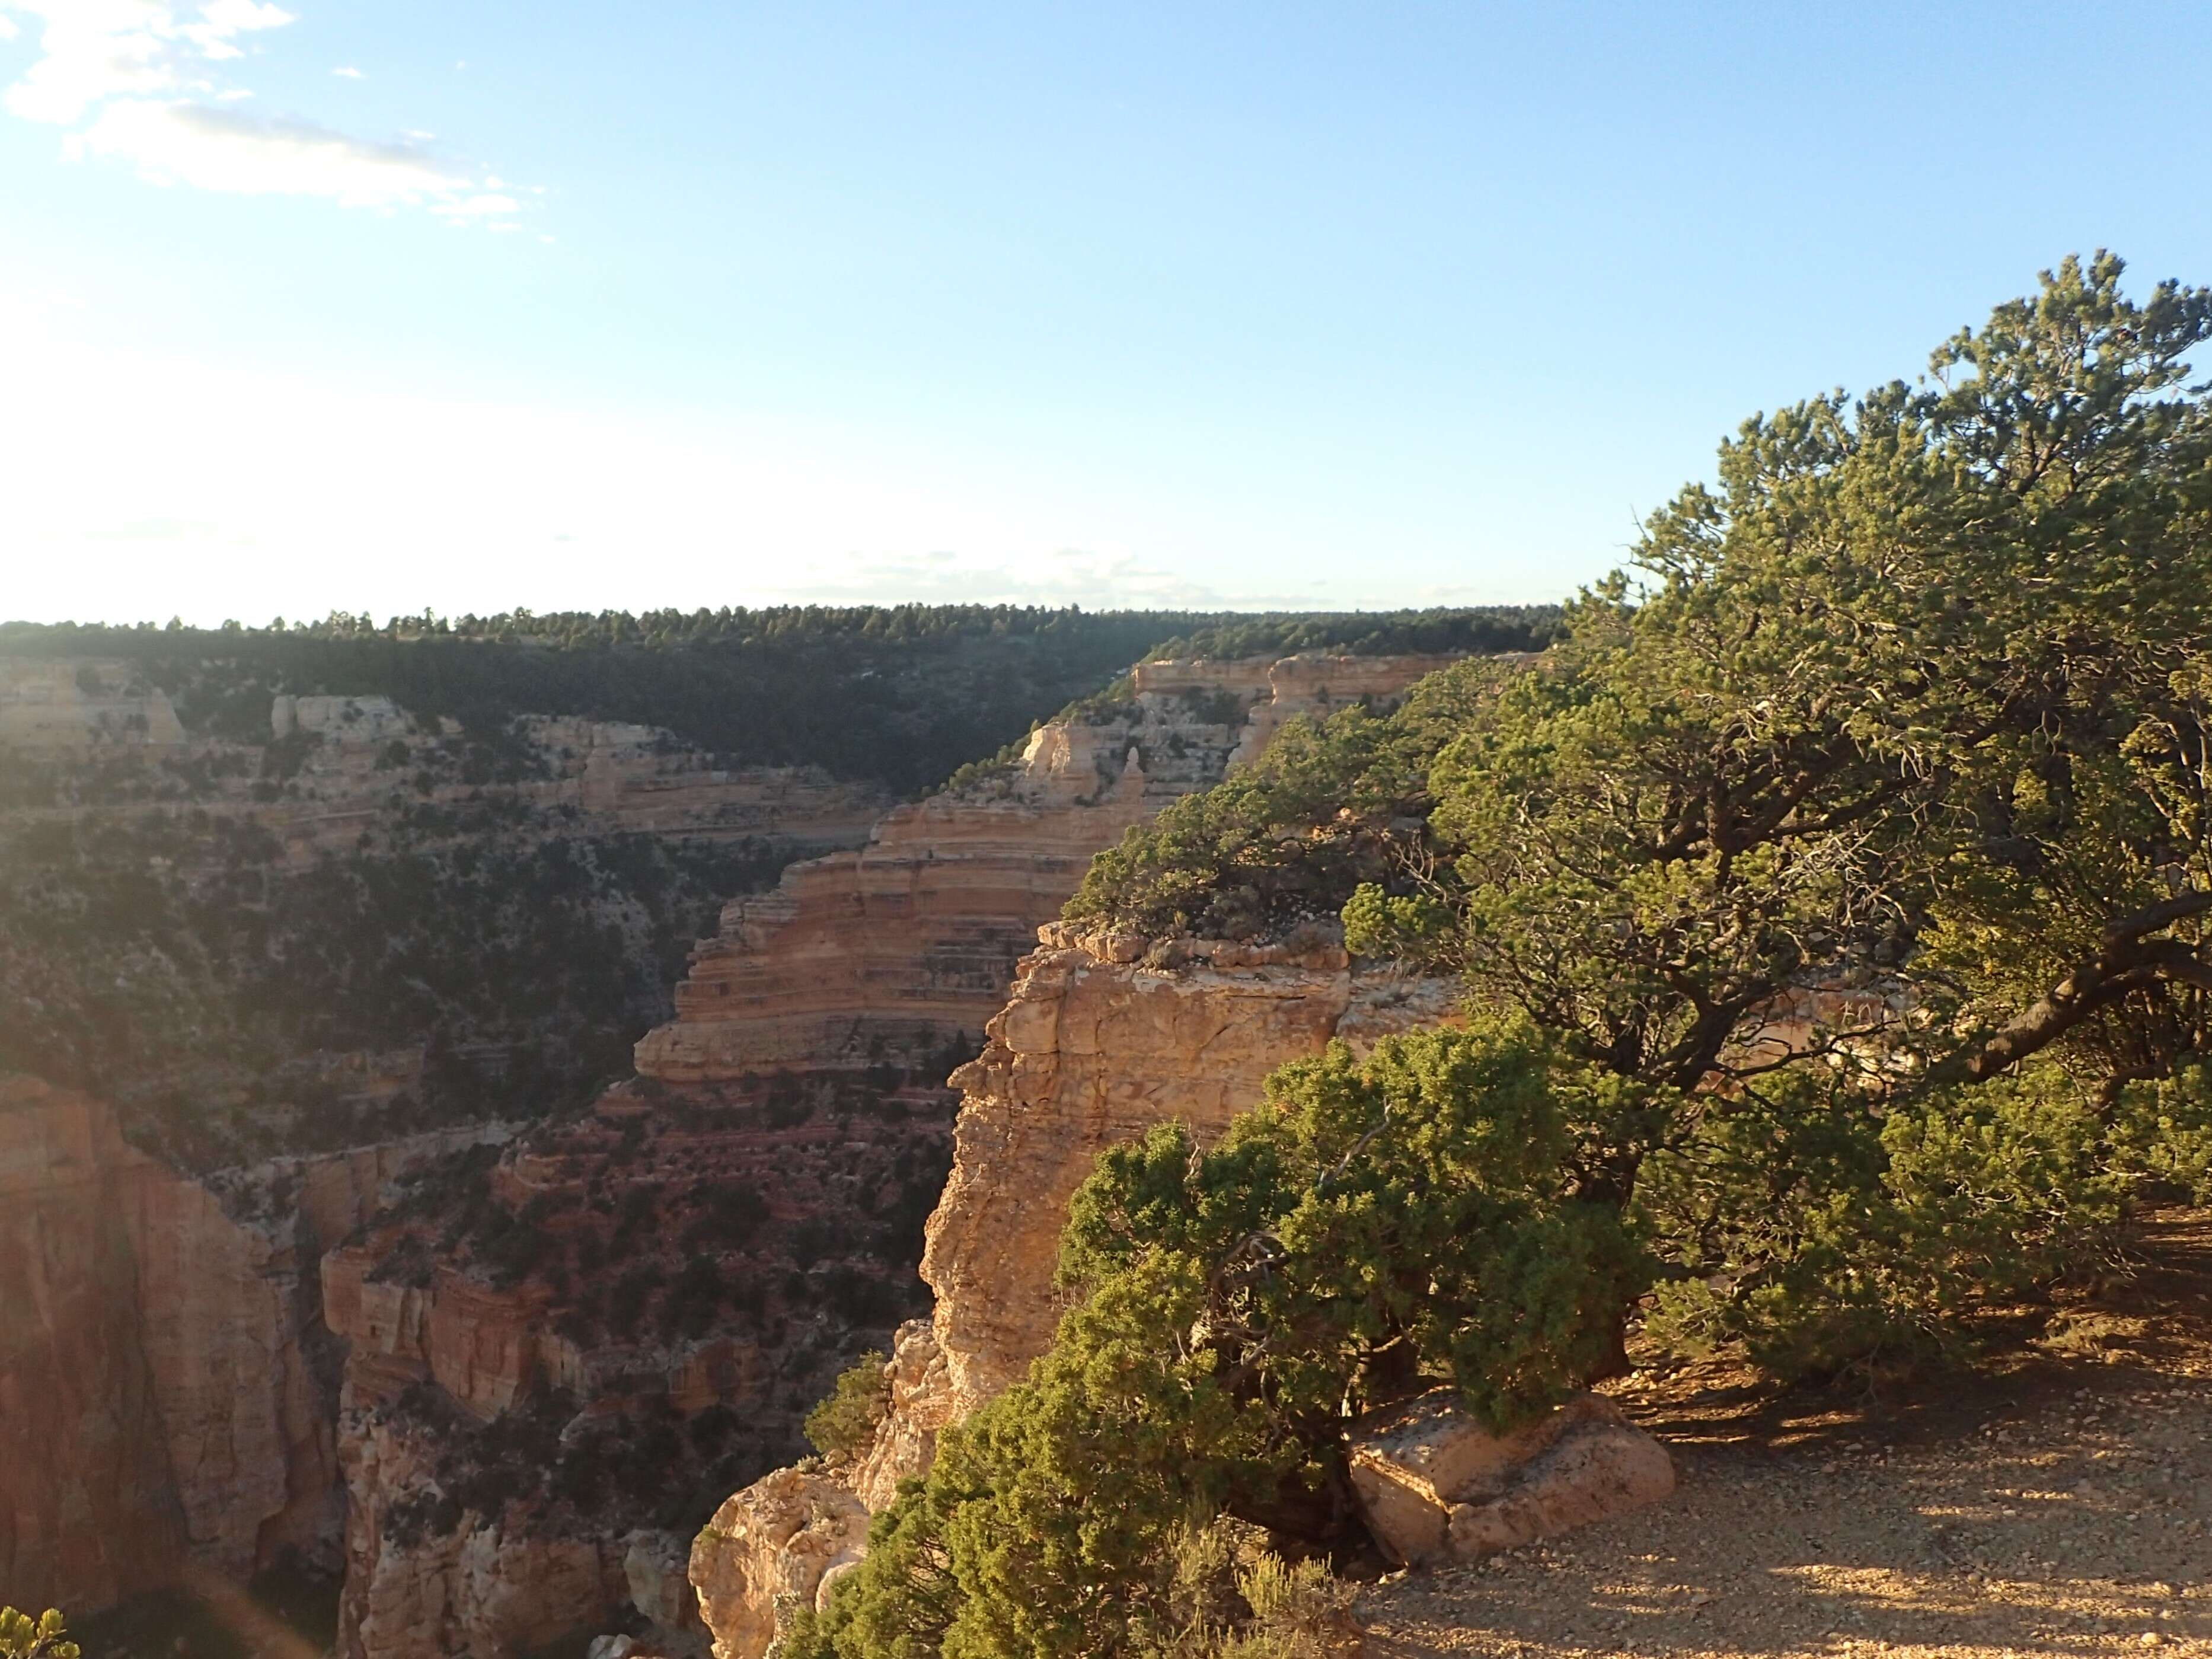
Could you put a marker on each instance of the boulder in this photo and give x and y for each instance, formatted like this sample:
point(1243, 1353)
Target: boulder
point(1433, 1484)
point(768, 1549)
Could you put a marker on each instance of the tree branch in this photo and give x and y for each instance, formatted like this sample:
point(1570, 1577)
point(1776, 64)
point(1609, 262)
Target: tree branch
point(2125, 959)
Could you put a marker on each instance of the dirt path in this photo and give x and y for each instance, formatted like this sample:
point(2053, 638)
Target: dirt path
point(2058, 1502)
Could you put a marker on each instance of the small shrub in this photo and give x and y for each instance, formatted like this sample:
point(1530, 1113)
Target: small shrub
point(844, 1426)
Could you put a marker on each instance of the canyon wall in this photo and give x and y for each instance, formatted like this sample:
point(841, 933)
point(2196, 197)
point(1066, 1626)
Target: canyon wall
point(164, 1394)
point(916, 935)
point(803, 1068)
point(330, 768)
point(169, 1390)
point(63, 705)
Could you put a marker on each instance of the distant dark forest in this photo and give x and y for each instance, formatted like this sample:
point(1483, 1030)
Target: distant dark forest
point(899, 695)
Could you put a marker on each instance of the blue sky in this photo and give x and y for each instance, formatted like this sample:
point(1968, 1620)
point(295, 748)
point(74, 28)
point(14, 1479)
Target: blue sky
point(324, 304)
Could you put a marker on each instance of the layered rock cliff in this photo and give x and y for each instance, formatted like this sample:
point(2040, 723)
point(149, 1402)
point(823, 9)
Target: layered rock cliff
point(916, 935)
point(244, 984)
point(562, 1356)
point(1093, 1048)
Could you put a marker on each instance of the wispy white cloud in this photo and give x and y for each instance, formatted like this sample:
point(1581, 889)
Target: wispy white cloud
point(224, 149)
point(136, 81)
point(347, 72)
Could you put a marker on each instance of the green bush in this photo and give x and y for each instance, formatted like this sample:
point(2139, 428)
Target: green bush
point(844, 1426)
point(1375, 1227)
point(1823, 1236)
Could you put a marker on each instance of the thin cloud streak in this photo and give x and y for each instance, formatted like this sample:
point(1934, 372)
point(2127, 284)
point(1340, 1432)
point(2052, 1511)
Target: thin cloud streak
point(135, 79)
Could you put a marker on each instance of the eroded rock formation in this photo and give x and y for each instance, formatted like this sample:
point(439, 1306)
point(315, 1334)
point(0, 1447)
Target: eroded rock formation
point(1092, 1048)
point(592, 1338)
point(167, 1397)
point(771, 1546)
point(916, 935)
point(168, 1390)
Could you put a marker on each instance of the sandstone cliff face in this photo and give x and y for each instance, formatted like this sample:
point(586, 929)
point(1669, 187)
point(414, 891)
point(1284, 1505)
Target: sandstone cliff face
point(771, 1546)
point(167, 1402)
point(93, 1513)
point(1089, 1051)
point(94, 735)
point(70, 705)
point(1092, 1049)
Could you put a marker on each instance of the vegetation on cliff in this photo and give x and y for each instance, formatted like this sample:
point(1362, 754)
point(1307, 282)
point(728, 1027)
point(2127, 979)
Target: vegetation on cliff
point(844, 1425)
point(1477, 631)
point(1830, 904)
point(174, 965)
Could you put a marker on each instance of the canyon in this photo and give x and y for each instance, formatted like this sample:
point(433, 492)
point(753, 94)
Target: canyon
point(805, 1067)
point(496, 1371)
point(174, 1163)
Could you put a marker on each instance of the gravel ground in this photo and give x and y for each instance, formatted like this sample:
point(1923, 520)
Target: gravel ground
point(2057, 1501)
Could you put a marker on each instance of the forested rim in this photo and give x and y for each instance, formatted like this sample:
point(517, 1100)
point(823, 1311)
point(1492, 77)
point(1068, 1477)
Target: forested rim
point(1829, 905)
point(900, 694)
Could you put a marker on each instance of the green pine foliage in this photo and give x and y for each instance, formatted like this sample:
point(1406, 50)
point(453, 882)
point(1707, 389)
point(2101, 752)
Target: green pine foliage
point(1375, 1227)
point(22, 1636)
point(843, 1426)
point(1830, 905)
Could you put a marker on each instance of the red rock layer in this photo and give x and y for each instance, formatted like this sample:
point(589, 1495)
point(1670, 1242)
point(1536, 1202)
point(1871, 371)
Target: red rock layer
point(92, 1511)
point(160, 1393)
